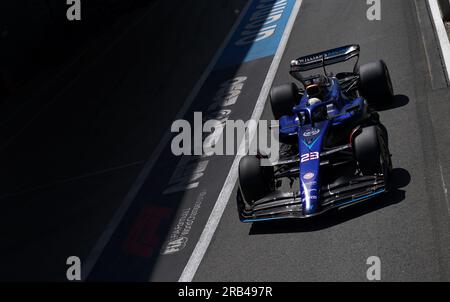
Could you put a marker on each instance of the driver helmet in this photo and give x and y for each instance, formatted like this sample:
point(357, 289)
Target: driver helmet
point(313, 101)
point(320, 113)
point(317, 87)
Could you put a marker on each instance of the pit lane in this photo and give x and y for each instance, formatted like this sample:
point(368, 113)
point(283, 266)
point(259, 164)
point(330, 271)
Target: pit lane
point(408, 229)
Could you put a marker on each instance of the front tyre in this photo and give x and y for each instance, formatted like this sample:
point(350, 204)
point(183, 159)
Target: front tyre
point(367, 149)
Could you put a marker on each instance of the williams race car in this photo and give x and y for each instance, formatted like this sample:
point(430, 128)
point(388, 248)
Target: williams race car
point(335, 149)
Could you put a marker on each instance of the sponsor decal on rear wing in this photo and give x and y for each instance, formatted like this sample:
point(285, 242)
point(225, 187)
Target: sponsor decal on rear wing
point(325, 58)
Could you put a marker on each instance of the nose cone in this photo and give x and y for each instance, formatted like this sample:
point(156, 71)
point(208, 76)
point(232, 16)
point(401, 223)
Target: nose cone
point(310, 146)
point(310, 194)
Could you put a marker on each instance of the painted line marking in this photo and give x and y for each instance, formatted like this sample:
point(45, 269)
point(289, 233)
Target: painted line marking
point(95, 253)
point(444, 187)
point(225, 194)
point(444, 43)
point(251, 43)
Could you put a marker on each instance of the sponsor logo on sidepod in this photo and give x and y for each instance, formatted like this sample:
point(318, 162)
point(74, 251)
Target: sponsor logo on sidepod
point(311, 132)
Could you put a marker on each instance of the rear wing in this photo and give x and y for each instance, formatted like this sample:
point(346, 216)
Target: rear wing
point(325, 58)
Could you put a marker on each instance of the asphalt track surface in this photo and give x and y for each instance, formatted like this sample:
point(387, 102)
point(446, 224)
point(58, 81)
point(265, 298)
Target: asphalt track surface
point(56, 213)
point(408, 229)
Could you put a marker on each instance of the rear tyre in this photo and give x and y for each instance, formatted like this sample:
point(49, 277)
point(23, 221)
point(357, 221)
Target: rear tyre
point(283, 98)
point(375, 84)
point(255, 181)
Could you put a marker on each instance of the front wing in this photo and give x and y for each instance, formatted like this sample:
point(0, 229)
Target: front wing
point(279, 205)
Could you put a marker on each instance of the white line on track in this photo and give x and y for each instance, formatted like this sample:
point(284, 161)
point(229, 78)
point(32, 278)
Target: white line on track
point(441, 33)
point(444, 44)
point(135, 188)
point(444, 187)
point(225, 194)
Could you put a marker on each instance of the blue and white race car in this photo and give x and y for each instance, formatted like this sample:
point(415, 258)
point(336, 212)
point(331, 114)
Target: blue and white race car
point(336, 149)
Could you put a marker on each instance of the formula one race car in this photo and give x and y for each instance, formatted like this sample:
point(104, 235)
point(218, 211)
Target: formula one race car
point(335, 149)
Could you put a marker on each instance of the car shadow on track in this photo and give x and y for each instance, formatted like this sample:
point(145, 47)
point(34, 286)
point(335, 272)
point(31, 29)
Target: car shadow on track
point(400, 100)
point(400, 178)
